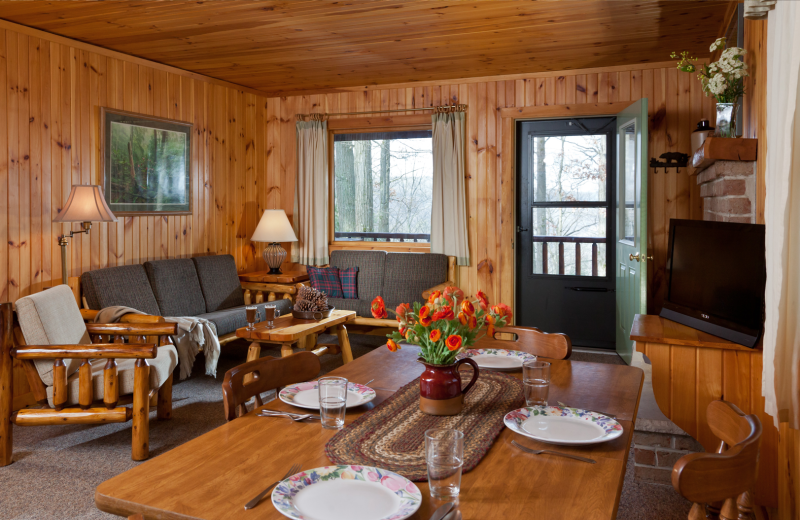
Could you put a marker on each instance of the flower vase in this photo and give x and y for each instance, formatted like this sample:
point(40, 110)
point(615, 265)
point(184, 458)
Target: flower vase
point(440, 390)
point(726, 120)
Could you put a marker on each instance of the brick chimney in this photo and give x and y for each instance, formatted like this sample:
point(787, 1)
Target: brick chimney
point(728, 189)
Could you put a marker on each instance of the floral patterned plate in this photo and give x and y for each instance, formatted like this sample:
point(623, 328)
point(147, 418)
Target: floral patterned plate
point(498, 359)
point(306, 395)
point(347, 493)
point(563, 425)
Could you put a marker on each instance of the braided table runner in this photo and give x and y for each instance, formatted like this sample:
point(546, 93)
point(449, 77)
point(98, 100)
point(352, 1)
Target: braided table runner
point(392, 435)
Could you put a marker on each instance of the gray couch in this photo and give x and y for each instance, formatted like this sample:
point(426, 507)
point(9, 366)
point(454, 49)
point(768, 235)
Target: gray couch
point(397, 277)
point(206, 287)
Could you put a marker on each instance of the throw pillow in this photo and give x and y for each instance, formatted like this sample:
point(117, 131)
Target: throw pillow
point(326, 279)
point(348, 277)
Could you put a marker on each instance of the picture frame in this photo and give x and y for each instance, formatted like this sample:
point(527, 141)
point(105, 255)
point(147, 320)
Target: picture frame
point(146, 164)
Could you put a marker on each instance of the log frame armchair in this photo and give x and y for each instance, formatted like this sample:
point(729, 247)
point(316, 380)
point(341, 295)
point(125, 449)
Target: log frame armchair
point(84, 380)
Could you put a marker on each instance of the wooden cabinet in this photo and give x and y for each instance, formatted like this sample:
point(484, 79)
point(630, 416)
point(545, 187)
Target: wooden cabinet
point(691, 369)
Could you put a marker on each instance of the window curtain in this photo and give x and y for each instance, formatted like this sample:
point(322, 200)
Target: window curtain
point(449, 209)
point(310, 220)
point(781, 378)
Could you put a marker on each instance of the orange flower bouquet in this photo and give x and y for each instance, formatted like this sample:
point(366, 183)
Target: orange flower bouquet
point(446, 325)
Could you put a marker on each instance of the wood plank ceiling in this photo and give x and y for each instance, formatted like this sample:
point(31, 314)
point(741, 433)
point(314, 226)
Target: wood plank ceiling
point(282, 47)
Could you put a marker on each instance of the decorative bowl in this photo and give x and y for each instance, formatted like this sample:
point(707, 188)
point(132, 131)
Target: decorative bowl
point(312, 315)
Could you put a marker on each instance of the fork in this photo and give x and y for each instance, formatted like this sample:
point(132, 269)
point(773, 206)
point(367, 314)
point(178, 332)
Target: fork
point(550, 452)
point(253, 503)
point(292, 416)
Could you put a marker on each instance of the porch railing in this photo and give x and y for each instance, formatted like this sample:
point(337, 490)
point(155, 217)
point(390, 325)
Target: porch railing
point(545, 240)
point(377, 236)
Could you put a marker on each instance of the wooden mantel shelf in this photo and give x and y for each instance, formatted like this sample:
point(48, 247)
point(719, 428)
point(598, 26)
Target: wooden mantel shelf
point(724, 149)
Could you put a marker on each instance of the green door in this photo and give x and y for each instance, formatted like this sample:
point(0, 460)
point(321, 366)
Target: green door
point(631, 221)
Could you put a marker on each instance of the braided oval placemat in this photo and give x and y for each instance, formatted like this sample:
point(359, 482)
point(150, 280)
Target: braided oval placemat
point(392, 435)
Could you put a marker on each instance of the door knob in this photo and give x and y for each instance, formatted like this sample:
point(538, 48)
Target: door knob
point(634, 257)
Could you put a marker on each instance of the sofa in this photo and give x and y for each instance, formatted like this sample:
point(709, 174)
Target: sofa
point(205, 287)
point(397, 277)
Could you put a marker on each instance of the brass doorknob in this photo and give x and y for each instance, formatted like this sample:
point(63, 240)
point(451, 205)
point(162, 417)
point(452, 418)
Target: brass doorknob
point(634, 257)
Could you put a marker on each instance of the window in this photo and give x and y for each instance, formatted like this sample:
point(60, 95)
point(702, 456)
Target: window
point(382, 186)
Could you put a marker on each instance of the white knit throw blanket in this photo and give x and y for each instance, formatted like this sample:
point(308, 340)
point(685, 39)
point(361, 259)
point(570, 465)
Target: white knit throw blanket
point(193, 333)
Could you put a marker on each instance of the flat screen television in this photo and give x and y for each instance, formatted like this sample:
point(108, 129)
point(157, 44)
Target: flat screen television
point(716, 275)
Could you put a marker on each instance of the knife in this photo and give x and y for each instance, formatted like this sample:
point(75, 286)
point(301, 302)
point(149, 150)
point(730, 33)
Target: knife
point(439, 513)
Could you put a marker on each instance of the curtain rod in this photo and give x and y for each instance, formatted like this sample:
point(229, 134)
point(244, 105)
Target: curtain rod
point(441, 109)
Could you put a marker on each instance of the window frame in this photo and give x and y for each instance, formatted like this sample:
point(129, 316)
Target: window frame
point(365, 125)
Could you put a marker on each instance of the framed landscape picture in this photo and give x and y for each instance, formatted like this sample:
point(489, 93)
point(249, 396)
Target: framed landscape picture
point(146, 164)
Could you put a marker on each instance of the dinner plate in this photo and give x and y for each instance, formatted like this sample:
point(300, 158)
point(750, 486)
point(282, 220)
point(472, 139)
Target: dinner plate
point(347, 493)
point(498, 359)
point(563, 425)
point(306, 395)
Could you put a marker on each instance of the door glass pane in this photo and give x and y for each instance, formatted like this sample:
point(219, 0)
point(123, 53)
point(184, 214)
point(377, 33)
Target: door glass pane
point(568, 168)
point(558, 232)
point(629, 200)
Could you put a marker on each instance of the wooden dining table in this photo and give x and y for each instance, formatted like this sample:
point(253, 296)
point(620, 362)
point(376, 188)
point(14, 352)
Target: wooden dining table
point(212, 476)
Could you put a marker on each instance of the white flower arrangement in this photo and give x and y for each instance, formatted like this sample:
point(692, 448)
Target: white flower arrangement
point(724, 78)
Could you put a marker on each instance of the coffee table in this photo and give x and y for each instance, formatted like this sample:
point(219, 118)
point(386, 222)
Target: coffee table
point(289, 330)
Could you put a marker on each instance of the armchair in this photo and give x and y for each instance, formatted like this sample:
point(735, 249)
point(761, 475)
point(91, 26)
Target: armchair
point(83, 373)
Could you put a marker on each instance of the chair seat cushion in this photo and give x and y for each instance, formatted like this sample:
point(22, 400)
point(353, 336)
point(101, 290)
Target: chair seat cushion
point(160, 369)
point(125, 285)
point(176, 287)
point(228, 320)
point(219, 281)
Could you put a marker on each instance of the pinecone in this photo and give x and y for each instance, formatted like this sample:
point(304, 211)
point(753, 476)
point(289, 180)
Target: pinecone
point(303, 306)
point(306, 292)
point(320, 301)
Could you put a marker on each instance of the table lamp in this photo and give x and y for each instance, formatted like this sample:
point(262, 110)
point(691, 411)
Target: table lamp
point(85, 204)
point(274, 227)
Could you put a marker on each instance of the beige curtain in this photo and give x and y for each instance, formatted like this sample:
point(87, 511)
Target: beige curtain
point(781, 378)
point(310, 220)
point(449, 212)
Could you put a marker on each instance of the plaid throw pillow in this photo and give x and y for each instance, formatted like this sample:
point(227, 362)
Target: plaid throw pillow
point(326, 279)
point(348, 277)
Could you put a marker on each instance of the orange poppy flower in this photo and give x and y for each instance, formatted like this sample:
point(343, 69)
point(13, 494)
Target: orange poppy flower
point(425, 321)
point(490, 331)
point(453, 342)
point(436, 335)
point(391, 345)
point(434, 296)
point(378, 308)
point(501, 309)
point(424, 312)
point(473, 322)
point(463, 318)
point(401, 311)
point(445, 313)
point(483, 298)
point(467, 307)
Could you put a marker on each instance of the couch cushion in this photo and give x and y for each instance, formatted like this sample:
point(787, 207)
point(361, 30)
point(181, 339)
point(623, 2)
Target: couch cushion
point(160, 369)
point(176, 287)
point(219, 281)
point(326, 279)
point(344, 304)
point(408, 274)
point(349, 279)
point(228, 320)
point(371, 265)
point(126, 285)
point(52, 317)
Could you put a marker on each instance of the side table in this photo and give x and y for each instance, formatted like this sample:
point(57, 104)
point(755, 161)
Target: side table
point(257, 283)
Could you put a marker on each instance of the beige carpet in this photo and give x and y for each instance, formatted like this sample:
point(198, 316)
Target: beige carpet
point(56, 469)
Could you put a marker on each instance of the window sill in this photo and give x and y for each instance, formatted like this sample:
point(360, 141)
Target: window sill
point(395, 247)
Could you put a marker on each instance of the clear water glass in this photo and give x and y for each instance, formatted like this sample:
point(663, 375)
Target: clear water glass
point(536, 382)
point(444, 453)
point(252, 316)
point(332, 402)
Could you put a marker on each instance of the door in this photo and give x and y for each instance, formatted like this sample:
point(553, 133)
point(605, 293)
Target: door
point(631, 222)
point(565, 234)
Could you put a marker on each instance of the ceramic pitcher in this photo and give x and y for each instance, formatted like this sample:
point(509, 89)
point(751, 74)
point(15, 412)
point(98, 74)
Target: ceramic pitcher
point(440, 390)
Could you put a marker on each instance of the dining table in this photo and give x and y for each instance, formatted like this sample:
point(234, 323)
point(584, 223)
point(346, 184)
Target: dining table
point(212, 476)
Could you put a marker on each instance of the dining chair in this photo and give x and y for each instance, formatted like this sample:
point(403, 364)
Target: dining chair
point(530, 340)
point(720, 484)
point(268, 373)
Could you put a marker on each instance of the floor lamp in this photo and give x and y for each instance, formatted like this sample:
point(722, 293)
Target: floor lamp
point(85, 204)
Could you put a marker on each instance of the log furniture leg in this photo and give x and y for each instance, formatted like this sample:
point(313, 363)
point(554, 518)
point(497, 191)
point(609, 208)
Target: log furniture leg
point(141, 410)
point(6, 385)
point(344, 343)
point(164, 406)
point(286, 349)
point(253, 353)
point(310, 342)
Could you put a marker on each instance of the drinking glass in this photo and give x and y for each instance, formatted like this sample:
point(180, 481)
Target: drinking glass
point(444, 453)
point(332, 402)
point(271, 313)
point(252, 316)
point(536, 381)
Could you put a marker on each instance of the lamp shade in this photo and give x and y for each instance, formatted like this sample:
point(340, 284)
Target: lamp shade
point(85, 204)
point(274, 226)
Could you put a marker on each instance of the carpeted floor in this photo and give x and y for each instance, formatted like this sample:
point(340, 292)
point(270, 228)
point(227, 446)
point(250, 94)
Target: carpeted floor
point(56, 470)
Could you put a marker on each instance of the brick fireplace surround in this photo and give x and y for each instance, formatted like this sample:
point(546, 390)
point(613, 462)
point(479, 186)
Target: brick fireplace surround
point(728, 189)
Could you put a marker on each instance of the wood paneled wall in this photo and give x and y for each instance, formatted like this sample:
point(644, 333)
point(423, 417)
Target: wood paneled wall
point(50, 94)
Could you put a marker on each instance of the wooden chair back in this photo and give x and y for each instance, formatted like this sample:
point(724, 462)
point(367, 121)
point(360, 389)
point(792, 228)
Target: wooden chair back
point(721, 483)
point(530, 340)
point(268, 373)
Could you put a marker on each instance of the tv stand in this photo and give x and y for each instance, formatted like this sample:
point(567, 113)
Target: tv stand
point(690, 369)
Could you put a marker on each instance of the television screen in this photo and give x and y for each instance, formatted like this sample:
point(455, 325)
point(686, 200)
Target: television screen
point(716, 276)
